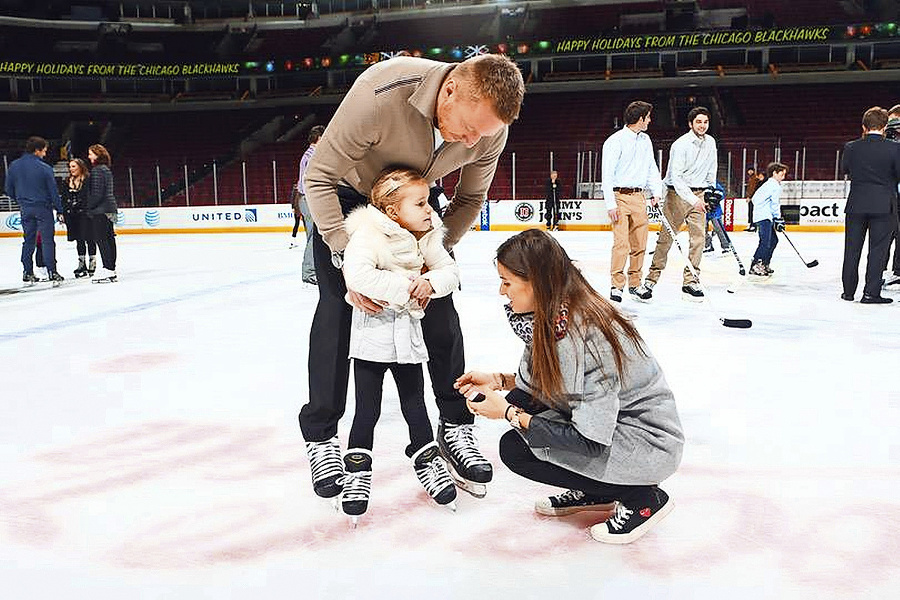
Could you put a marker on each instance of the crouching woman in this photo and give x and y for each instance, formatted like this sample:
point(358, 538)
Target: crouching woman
point(590, 409)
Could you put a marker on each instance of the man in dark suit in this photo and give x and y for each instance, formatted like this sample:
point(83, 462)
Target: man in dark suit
point(873, 165)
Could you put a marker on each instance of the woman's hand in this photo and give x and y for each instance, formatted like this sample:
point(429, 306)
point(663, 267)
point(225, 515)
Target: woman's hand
point(492, 407)
point(468, 381)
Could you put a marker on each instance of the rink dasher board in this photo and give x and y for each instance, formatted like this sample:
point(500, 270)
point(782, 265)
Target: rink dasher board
point(588, 214)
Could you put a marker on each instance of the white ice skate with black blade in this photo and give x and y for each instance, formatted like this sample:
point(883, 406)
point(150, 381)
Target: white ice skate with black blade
point(469, 469)
point(431, 469)
point(326, 467)
point(357, 484)
point(104, 275)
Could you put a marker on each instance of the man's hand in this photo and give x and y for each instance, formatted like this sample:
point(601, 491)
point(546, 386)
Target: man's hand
point(364, 303)
point(420, 289)
point(654, 201)
point(613, 215)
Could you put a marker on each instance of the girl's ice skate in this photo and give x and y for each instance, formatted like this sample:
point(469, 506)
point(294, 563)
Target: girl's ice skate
point(431, 469)
point(357, 483)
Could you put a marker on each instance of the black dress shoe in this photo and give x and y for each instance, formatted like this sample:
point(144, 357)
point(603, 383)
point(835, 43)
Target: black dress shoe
point(866, 299)
point(847, 297)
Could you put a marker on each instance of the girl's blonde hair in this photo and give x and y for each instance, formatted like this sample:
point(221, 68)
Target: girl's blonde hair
point(385, 187)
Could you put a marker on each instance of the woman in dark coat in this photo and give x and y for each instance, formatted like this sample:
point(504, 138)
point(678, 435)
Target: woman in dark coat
point(78, 223)
point(101, 207)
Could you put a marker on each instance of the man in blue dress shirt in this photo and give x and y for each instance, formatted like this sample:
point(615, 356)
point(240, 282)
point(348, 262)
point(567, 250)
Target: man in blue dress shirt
point(30, 182)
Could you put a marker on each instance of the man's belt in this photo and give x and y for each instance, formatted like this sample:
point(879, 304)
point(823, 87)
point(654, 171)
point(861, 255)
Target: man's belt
point(699, 189)
point(627, 190)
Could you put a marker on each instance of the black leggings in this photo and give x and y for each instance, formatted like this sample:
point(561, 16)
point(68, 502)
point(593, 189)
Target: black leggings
point(519, 458)
point(86, 247)
point(297, 219)
point(368, 378)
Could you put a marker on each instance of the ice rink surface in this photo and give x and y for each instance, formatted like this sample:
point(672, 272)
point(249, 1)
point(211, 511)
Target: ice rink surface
point(150, 448)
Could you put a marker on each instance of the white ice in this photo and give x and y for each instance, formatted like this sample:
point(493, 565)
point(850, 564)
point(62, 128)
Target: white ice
point(149, 445)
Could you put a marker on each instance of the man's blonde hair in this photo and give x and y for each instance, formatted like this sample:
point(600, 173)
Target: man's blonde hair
point(494, 77)
point(384, 190)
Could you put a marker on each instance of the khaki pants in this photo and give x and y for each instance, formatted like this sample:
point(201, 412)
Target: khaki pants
point(679, 212)
point(629, 239)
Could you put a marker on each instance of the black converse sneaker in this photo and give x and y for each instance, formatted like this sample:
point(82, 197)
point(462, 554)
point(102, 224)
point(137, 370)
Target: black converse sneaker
point(570, 502)
point(692, 292)
point(615, 294)
point(326, 467)
point(631, 522)
point(357, 483)
point(433, 475)
point(468, 467)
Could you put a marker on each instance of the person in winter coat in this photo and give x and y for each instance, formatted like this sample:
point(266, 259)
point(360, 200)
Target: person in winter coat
point(78, 222)
point(395, 256)
point(589, 406)
point(102, 209)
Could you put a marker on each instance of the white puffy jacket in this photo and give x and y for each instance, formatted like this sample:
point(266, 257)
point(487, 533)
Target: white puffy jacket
point(380, 261)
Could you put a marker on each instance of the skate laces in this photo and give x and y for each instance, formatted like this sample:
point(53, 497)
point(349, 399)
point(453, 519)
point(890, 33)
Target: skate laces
point(618, 520)
point(324, 459)
point(357, 485)
point(434, 476)
point(464, 446)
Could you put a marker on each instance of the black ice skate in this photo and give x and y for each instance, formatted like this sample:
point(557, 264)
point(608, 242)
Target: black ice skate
point(29, 279)
point(692, 292)
point(633, 520)
point(469, 469)
point(326, 467)
point(82, 270)
point(56, 279)
point(431, 469)
point(357, 483)
point(92, 265)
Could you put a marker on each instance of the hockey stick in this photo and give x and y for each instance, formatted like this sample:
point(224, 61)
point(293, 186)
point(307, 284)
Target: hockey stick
point(810, 264)
point(734, 323)
point(741, 270)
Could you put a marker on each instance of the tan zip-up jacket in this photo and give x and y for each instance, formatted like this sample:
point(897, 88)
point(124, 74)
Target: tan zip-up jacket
point(385, 120)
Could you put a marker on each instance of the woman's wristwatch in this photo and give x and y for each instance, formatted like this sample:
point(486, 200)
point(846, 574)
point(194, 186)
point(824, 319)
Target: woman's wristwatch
point(514, 417)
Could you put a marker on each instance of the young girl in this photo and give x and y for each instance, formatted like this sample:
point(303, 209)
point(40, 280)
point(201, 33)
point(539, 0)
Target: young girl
point(767, 215)
point(589, 406)
point(395, 256)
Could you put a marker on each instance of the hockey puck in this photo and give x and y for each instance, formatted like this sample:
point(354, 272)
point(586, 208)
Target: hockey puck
point(730, 291)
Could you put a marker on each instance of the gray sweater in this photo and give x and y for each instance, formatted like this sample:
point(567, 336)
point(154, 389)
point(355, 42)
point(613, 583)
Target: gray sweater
point(617, 430)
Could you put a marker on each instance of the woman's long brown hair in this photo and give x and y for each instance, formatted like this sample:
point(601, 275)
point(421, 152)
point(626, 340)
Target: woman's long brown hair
point(538, 258)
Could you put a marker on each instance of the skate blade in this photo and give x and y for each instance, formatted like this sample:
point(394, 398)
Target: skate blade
point(335, 504)
point(478, 490)
point(689, 298)
point(452, 506)
point(354, 521)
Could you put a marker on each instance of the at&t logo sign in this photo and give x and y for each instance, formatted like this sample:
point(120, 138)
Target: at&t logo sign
point(14, 221)
point(151, 218)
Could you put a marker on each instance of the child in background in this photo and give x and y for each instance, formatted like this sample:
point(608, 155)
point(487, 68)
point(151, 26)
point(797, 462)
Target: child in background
point(713, 198)
point(767, 214)
point(395, 256)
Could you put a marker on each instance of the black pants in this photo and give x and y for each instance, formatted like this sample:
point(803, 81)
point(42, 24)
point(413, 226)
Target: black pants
point(879, 228)
point(369, 379)
point(895, 240)
point(516, 455)
point(551, 207)
point(88, 247)
point(297, 219)
point(105, 236)
point(329, 345)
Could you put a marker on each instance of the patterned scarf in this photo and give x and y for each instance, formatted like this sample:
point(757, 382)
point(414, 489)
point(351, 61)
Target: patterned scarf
point(523, 323)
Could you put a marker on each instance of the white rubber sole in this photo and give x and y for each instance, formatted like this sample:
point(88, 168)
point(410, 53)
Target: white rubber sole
point(600, 531)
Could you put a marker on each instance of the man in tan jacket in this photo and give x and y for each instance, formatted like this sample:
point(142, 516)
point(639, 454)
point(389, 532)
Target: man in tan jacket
point(436, 118)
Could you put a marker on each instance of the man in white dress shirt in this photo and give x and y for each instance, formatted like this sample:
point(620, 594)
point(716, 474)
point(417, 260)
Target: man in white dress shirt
point(693, 160)
point(628, 168)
